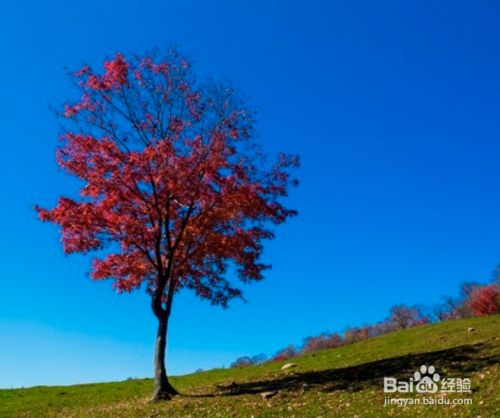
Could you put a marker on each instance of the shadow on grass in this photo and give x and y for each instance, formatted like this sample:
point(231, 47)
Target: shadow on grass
point(458, 362)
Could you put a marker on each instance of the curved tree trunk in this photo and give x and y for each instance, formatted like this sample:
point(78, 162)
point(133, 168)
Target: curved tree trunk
point(163, 389)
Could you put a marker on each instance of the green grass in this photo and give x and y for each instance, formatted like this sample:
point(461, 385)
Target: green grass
point(343, 382)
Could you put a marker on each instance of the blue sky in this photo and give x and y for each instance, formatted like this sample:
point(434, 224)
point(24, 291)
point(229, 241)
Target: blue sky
point(394, 108)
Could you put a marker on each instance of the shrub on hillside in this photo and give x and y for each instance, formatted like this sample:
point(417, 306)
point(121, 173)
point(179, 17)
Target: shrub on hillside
point(312, 344)
point(403, 316)
point(241, 362)
point(381, 328)
point(353, 335)
point(484, 300)
point(285, 354)
point(248, 361)
point(460, 308)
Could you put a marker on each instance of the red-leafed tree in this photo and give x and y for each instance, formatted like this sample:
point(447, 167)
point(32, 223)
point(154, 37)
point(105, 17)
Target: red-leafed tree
point(484, 300)
point(175, 191)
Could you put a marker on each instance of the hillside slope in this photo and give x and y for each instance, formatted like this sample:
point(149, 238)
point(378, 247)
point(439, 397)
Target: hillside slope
point(344, 382)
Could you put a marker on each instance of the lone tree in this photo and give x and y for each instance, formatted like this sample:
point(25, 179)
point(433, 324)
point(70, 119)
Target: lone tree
point(175, 191)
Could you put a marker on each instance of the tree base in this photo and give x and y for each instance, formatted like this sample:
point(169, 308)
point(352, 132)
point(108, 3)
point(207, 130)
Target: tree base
point(164, 392)
point(159, 396)
point(171, 390)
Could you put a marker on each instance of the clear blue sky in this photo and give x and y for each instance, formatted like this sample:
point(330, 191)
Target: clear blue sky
point(394, 108)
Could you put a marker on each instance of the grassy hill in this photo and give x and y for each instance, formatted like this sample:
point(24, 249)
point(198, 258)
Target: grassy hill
point(343, 382)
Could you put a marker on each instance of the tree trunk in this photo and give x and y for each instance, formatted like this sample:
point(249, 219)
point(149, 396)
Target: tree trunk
point(163, 389)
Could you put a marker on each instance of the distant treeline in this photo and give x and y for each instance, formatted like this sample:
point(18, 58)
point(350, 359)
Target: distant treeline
point(474, 300)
